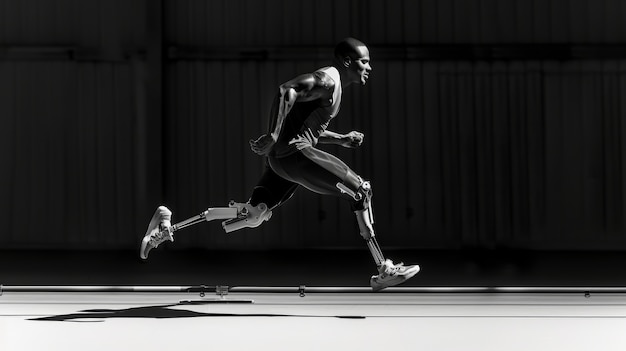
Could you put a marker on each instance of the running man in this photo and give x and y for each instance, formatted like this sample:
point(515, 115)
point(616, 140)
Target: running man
point(300, 115)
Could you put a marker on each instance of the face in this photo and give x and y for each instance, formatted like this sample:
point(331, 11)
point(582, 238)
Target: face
point(360, 66)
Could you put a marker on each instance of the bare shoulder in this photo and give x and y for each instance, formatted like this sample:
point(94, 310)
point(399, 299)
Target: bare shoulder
point(311, 81)
point(324, 80)
point(311, 86)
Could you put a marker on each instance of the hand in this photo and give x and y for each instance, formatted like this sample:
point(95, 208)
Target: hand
point(263, 145)
point(352, 140)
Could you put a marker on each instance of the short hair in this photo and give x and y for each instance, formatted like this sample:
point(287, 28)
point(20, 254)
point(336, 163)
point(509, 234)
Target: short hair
point(348, 47)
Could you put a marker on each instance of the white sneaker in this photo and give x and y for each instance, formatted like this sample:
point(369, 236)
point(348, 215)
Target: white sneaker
point(392, 274)
point(159, 230)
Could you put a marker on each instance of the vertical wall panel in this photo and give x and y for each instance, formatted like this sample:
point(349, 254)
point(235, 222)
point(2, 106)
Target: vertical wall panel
point(415, 156)
point(500, 99)
point(578, 13)
point(428, 15)
point(435, 215)
point(488, 21)
point(412, 28)
point(559, 27)
point(535, 124)
point(518, 155)
point(8, 154)
point(398, 164)
point(612, 151)
point(622, 142)
point(445, 24)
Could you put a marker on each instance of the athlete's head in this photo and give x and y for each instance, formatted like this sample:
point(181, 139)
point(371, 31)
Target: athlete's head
point(353, 56)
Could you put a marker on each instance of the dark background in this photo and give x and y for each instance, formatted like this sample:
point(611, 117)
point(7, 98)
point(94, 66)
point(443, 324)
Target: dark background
point(491, 126)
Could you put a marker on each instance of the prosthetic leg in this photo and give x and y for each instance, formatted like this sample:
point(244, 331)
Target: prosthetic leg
point(365, 218)
point(236, 215)
point(390, 274)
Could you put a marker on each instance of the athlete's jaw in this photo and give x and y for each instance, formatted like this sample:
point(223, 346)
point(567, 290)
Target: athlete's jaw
point(364, 69)
point(364, 77)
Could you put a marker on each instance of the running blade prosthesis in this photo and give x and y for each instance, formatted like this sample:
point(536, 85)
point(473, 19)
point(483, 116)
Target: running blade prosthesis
point(159, 230)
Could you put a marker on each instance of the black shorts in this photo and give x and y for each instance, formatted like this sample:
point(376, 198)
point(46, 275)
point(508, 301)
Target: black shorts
point(311, 168)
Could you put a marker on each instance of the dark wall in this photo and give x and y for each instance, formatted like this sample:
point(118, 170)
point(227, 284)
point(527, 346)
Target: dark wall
point(488, 123)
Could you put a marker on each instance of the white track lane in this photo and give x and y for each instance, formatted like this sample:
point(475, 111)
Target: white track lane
point(154, 321)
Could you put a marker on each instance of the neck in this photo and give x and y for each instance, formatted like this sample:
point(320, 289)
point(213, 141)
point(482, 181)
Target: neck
point(343, 74)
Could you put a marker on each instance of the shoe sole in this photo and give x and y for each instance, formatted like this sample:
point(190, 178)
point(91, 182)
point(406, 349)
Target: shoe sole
point(145, 249)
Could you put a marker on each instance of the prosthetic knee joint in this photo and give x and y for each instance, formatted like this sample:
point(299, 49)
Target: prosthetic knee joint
point(248, 216)
point(365, 216)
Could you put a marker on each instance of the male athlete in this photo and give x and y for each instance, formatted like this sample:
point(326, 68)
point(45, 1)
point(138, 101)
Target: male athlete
point(300, 115)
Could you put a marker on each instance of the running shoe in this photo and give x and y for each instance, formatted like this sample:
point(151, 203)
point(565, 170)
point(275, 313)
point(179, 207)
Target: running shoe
point(159, 230)
point(391, 274)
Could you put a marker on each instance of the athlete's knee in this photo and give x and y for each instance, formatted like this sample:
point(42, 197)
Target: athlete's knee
point(361, 196)
point(362, 206)
point(364, 196)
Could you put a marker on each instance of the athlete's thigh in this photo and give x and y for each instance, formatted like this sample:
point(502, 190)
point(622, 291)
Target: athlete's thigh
point(272, 189)
point(316, 170)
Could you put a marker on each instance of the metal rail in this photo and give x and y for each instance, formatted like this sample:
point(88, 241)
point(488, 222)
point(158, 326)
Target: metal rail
point(302, 289)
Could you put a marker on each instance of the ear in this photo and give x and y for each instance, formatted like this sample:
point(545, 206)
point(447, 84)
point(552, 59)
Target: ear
point(346, 61)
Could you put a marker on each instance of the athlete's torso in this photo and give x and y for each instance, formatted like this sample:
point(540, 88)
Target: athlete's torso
point(308, 120)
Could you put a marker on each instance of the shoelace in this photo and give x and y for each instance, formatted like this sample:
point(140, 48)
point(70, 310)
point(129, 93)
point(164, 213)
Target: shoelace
point(157, 238)
point(394, 269)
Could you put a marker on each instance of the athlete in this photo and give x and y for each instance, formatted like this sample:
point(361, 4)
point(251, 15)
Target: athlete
point(300, 115)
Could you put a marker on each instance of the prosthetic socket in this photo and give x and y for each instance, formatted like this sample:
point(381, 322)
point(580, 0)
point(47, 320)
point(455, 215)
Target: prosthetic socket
point(365, 217)
point(248, 216)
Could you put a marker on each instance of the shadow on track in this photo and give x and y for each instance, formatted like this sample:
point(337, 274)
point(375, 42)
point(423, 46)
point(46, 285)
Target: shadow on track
point(161, 312)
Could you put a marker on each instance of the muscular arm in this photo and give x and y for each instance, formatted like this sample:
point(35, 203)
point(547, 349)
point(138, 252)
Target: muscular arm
point(350, 140)
point(307, 87)
point(330, 137)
